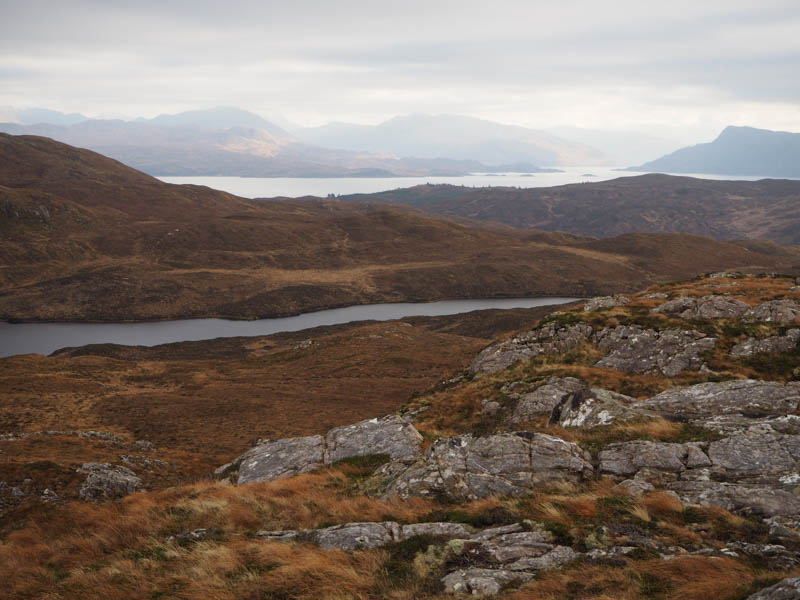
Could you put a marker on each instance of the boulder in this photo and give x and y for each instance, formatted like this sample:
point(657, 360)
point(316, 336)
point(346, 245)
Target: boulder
point(543, 399)
point(391, 435)
point(775, 343)
point(787, 589)
point(509, 464)
point(105, 481)
point(593, 407)
point(706, 307)
point(352, 536)
point(275, 459)
point(552, 338)
point(633, 349)
point(601, 302)
point(628, 458)
point(775, 311)
point(479, 582)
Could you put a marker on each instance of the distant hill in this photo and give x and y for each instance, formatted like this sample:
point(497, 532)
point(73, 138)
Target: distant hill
point(84, 237)
point(621, 147)
point(737, 151)
point(456, 137)
point(725, 210)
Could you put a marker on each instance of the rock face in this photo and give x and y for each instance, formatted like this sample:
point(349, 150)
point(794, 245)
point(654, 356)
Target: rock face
point(775, 343)
point(550, 339)
point(275, 459)
point(775, 311)
point(543, 399)
point(601, 302)
point(630, 458)
point(105, 481)
point(737, 498)
point(511, 464)
point(727, 405)
point(593, 407)
point(788, 589)
point(707, 307)
point(633, 349)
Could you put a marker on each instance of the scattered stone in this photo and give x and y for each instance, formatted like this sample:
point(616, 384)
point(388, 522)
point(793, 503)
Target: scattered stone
point(144, 445)
point(197, 535)
point(509, 464)
point(105, 481)
point(559, 555)
point(593, 407)
point(656, 296)
point(775, 343)
point(775, 311)
point(601, 302)
point(552, 338)
point(633, 349)
point(49, 495)
point(482, 582)
point(706, 307)
point(543, 399)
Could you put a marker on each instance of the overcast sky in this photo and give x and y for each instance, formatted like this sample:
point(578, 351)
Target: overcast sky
point(686, 67)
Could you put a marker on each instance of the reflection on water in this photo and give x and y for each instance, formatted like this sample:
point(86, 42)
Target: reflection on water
point(44, 338)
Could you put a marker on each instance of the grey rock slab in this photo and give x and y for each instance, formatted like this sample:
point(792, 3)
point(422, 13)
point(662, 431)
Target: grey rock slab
point(448, 530)
point(628, 458)
point(558, 556)
point(788, 589)
point(512, 546)
point(593, 407)
point(105, 481)
point(482, 582)
point(709, 400)
point(390, 435)
point(775, 311)
point(280, 458)
point(633, 349)
point(601, 302)
point(465, 467)
point(755, 456)
point(544, 398)
point(776, 343)
point(706, 307)
point(739, 498)
point(352, 536)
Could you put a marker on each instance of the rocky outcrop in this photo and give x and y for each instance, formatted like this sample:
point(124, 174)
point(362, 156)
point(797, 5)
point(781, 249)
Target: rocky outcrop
point(105, 481)
point(601, 302)
point(775, 343)
point(642, 457)
point(737, 498)
point(510, 464)
point(553, 338)
point(544, 398)
point(788, 589)
point(706, 307)
point(775, 311)
point(730, 406)
point(633, 349)
point(593, 407)
point(276, 459)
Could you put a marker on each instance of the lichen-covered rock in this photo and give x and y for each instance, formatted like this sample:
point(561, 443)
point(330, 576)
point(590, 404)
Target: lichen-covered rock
point(352, 536)
point(391, 435)
point(482, 582)
point(706, 307)
point(511, 464)
point(553, 338)
point(633, 349)
point(557, 556)
point(593, 407)
point(739, 498)
point(628, 458)
point(707, 401)
point(444, 529)
point(105, 481)
point(775, 311)
point(601, 302)
point(775, 343)
point(758, 457)
point(544, 398)
point(513, 546)
point(788, 589)
point(275, 459)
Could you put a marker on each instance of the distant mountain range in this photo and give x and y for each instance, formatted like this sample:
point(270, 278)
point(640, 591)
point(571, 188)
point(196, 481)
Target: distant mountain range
point(725, 210)
point(231, 141)
point(456, 137)
point(737, 151)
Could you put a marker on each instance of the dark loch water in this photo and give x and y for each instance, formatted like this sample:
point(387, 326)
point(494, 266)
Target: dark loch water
point(44, 338)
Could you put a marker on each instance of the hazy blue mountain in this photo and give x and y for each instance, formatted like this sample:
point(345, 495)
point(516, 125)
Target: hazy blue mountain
point(622, 147)
point(31, 116)
point(737, 151)
point(221, 117)
point(456, 137)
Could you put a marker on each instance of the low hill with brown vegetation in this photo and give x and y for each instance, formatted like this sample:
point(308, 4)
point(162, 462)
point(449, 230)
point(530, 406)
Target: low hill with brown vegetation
point(646, 482)
point(725, 210)
point(83, 237)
